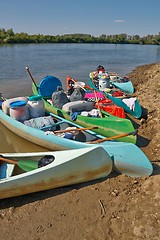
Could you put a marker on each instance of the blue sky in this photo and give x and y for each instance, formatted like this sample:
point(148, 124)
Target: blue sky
point(95, 17)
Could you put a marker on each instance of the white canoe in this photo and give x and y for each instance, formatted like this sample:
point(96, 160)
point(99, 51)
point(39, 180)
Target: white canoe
point(69, 167)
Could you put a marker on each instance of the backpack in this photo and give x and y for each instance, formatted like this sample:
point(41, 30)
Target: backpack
point(77, 95)
point(59, 98)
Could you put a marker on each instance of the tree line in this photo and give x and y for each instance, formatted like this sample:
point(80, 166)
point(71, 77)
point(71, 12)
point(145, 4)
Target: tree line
point(8, 36)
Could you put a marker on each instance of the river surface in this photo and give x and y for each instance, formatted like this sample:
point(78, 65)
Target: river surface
point(60, 60)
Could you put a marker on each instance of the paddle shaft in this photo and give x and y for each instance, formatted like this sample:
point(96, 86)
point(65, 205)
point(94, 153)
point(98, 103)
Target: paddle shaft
point(27, 68)
point(78, 84)
point(76, 129)
point(8, 160)
point(114, 137)
point(97, 100)
point(97, 103)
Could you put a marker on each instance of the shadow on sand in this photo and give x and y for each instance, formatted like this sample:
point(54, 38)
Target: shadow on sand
point(37, 196)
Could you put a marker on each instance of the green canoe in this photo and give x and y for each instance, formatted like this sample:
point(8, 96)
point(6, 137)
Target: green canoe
point(108, 125)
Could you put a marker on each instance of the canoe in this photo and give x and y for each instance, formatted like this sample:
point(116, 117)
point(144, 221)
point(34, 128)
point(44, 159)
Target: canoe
point(135, 112)
point(69, 167)
point(108, 125)
point(134, 161)
point(122, 83)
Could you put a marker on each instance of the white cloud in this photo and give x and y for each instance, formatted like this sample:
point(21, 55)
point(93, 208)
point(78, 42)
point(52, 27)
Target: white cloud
point(119, 21)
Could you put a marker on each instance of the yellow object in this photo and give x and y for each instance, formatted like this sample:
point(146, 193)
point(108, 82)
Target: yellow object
point(107, 89)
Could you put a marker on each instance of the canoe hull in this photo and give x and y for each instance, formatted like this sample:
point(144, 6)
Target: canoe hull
point(126, 87)
point(128, 159)
point(77, 166)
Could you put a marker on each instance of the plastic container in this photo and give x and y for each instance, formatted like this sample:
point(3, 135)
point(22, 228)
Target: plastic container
point(6, 104)
point(19, 110)
point(48, 86)
point(104, 83)
point(36, 106)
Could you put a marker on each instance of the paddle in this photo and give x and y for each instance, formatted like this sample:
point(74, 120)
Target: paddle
point(29, 165)
point(97, 103)
point(97, 99)
point(114, 137)
point(75, 129)
point(27, 68)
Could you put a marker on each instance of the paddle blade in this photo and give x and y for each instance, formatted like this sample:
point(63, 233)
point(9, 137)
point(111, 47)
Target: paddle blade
point(28, 165)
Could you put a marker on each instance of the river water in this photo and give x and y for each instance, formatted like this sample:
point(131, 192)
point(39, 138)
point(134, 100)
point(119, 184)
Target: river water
point(60, 60)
